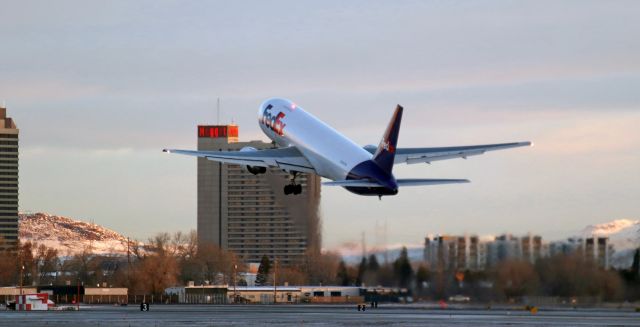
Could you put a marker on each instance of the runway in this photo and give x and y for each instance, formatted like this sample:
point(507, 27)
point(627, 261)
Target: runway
point(314, 315)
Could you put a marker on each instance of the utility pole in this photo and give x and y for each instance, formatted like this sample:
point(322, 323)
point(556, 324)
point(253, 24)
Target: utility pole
point(128, 268)
point(386, 252)
point(78, 297)
point(21, 277)
point(364, 246)
point(275, 280)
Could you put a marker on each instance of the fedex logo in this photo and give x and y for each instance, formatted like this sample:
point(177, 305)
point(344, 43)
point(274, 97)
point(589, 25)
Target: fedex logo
point(385, 145)
point(273, 121)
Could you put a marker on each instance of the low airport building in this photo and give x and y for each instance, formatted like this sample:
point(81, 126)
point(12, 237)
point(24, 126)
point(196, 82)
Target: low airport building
point(98, 295)
point(9, 293)
point(203, 294)
point(331, 294)
point(223, 294)
point(264, 294)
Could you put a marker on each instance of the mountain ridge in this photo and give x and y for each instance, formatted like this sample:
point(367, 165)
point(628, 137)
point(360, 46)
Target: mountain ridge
point(70, 236)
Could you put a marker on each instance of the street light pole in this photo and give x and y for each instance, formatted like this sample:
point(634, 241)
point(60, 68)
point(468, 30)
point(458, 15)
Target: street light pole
point(235, 284)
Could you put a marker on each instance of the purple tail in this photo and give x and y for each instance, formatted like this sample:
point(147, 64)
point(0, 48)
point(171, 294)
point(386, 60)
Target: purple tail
point(386, 153)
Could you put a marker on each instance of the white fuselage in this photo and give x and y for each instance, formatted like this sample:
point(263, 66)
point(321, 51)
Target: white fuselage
point(332, 154)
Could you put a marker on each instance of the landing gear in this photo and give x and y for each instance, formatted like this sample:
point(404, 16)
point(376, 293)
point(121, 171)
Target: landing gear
point(293, 188)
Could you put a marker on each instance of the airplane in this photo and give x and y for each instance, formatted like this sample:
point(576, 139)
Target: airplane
point(305, 144)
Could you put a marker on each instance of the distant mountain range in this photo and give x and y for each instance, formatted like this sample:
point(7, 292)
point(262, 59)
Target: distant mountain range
point(624, 235)
point(70, 236)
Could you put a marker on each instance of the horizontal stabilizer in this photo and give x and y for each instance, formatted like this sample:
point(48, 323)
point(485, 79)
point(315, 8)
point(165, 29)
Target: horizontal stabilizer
point(401, 182)
point(421, 182)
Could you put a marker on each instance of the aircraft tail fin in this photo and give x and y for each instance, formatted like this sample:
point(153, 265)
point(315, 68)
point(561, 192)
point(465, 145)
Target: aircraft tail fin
point(386, 152)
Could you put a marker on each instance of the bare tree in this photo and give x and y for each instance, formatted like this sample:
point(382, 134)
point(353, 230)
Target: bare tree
point(47, 263)
point(322, 268)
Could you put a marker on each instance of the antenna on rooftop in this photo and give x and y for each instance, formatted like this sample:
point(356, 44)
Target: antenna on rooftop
point(386, 246)
point(218, 112)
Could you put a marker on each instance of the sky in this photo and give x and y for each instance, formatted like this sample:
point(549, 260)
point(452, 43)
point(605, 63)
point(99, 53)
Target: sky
point(99, 88)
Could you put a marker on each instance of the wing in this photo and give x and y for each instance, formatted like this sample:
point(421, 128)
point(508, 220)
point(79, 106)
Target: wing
point(285, 158)
point(427, 155)
point(401, 182)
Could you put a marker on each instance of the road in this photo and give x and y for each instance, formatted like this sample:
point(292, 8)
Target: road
point(315, 315)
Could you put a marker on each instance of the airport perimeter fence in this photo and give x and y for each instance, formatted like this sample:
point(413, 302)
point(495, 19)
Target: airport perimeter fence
point(122, 299)
point(582, 301)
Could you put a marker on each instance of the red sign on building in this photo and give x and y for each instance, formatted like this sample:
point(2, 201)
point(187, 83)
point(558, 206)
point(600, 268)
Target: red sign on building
point(216, 131)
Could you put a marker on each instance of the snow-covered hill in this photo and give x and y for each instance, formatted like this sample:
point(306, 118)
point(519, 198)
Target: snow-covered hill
point(624, 235)
point(70, 236)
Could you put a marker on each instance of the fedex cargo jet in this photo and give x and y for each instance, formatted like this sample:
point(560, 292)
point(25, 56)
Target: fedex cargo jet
point(308, 145)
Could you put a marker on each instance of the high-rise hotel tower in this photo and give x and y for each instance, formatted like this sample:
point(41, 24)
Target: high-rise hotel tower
point(248, 213)
point(8, 180)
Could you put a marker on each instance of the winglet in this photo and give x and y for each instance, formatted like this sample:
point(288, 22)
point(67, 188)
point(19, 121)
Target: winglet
point(386, 152)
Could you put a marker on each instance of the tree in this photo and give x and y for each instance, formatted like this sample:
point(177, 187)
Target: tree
point(158, 269)
point(9, 270)
point(516, 278)
point(402, 269)
point(262, 278)
point(291, 275)
point(26, 260)
point(372, 272)
point(362, 269)
point(373, 265)
point(573, 275)
point(47, 263)
point(321, 267)
point(217, 264)
point(635, 267)
point(157, 272)
point(422, 276)
point(342, 276)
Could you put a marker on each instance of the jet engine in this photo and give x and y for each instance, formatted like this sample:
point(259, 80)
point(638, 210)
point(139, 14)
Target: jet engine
point(256, 170)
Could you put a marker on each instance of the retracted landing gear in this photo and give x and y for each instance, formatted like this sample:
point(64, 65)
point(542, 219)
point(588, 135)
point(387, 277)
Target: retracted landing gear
point(293, 188)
